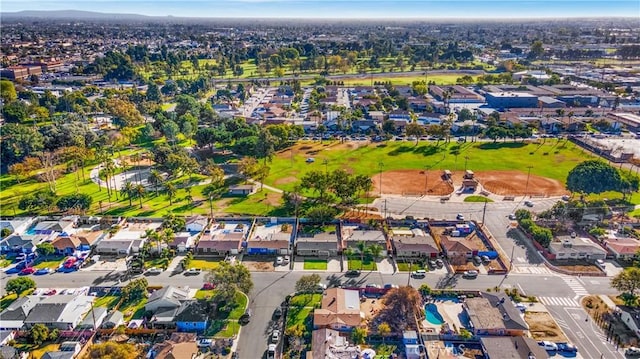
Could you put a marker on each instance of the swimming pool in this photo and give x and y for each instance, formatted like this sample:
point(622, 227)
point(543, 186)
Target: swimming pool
point(432, 315)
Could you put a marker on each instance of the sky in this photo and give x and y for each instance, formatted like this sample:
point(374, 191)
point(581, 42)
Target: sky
point(503, 9)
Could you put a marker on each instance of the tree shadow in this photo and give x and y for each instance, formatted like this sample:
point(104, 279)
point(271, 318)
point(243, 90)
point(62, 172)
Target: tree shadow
point(523, 242)
point(400, 150)
point(501, 145)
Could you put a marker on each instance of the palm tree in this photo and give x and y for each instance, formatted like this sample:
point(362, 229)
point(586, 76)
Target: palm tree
point(128, 190)
point(213, 191)
point(139, 191)
point(375, 250)
point(167, 236)
point(155, 178)
point(152, 236)
point(362, 248)
point(171, 190)
point(135, 158)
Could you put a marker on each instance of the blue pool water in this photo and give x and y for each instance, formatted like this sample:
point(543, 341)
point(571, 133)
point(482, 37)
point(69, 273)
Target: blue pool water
point(432, 314)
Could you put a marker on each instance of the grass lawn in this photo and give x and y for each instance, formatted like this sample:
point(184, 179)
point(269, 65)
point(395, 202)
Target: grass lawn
point(223, 329)
point(204, 264)
point(406, 267)
point(560, 158)
point(39, 353)
point(240, 307)
point(480, 199)
point(108, 301)
point(156, 262)
point(298, 315)
point(439, 79)
point(133, 310)
point(264, 202)
point(203, 294)
point(52, 263)
point(7, 300)
point(315, 264)
point(305, 300)
point(357, 264)
point(4, 263)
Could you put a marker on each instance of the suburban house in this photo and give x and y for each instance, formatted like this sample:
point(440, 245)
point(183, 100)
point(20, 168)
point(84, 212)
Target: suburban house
point(196, 224)
point(66, 245)
point(324, 244)
point(272, 237)
point(129, 239)
point(340, 310)
point(24, 243)
point(223, 238)
point(113, 320)
point(61, 226)
point(494, 314)
point(183, 241)
point(179, 346)
point(352, 235)
point(459, 249)
point(94, 318)
point(167, 297)
point(242, 190)
point(329, 343)
point(576, 248)
point(411, 243)
point(58, 355)
point(192, 317)
point(63, 312)
point(13, 317)
point(630, 316)
point(512, 348)
point(622, 248)
point(412, 346)
point(67, 350)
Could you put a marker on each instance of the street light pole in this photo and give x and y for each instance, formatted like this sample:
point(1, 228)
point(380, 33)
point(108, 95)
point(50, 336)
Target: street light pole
point(426, 180)
point(526, 187)
point(466, 158)
point(380, 165)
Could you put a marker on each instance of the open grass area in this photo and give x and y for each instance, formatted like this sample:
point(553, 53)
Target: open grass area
point(480, 199)
point(315, 264)
point(264, 202)
point(204, 294)
point(395, 79)
point(51, 263)
point(223, 329)
point(407, 267)
point(239, 307)
point(133, 310)
point(298, 315)
point(7, 300)
point(108, 301)
point(156, 262)
point(357, 264)
point(553, 159)
point(204, 264)
point(305, 300)
point(4, 263)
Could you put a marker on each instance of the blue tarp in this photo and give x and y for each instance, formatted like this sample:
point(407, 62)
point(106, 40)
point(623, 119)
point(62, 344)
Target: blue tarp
point(490, 254)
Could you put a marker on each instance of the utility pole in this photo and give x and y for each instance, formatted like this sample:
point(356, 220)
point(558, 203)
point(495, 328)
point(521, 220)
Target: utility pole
point(325, 162)
point(426, 180)
point(466, 158)
point(484, 211)
point(526, 187)
point(380, 166)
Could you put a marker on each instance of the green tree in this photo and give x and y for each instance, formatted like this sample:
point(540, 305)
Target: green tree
point(230, 278)
point(321, 213)
point(627, 281)
point(45, 249)
point(173, 222)
point(38, 334)
point(78, 201)
point(19, 285)
point(7, 91)
point(415, 129)
point(113, 350)
point(15, 112)
point(308, 283)
point(139, 191)
point(171, 191)
point(359, 335)
point(128, 190)
point(135, 290)
point(155, 178)
point(595, 176)
point(384, 329)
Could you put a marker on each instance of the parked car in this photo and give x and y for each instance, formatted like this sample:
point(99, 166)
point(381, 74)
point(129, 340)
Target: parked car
point(275, 336)
point(548, 346)
point(528, 203)
point(460, 217)
point(477, 260)
point(470, 274)
point(246, 317)
point(27, 271)
point(321, 287)
point(439, 263)
point(512, 216)
point(420, 273)
point(51, 292)
point(279, 261)
point(390, 286)
point(370, 285)
point(286, 259)
point(154, 270)
point(485, 259)
point(521, 307)
point(42, 271)
point(204, 343)
point(278, 312)
point(208, 286)
point(352, 273)
point(192, 271)
point(567, 348)
point(632, 352)
point(271, 351)
point(13, 270)
point(432, 264)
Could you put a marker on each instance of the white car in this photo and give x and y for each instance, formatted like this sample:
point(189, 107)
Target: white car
point(460, 217)
point(548, 346)
point(279, 261)
point(193, 271)
point(154, 270)
point(275, 336)
point(286, 259)
point(528, 203)
point(204, 343)
point(512, 216)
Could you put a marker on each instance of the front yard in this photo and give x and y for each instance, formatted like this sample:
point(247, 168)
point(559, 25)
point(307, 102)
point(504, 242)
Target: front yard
point(357, 264)
point(204, 264)
point(132, 310)
point(408, 267)
point(315, 264)
point(52, 263)
point(225, 324)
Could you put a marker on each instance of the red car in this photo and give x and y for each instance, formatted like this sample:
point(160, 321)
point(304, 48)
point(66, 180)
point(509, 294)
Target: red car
point(208, 286)
point(28, 270)
point(51, 292)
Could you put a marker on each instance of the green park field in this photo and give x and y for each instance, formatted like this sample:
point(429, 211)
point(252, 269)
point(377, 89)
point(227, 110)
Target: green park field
point(553, 159)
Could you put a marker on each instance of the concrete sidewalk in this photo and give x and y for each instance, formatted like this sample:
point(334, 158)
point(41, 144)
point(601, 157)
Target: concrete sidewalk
point(385, 266)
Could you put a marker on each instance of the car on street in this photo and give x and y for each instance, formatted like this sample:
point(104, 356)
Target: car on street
point(470, 274)
point(154, 270)
point(370, 285)
point(42, 271)
point(632, 352)
point(271, 351)
point(420, 273)
point(13, 270)
point(279, 261)
point(277, 313)
point(27, 271)
point(390, 286)
point(275, 336)
point(352, 273)
point(246, 317)
point(528, 203)
point(548, 346)
point(193, 271)
point(432, 264)
point(512, 216)
point(439, 263)
point(567, 348)
point(460, 217)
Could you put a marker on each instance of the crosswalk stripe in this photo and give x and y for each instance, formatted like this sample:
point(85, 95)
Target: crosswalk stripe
point(559, 301)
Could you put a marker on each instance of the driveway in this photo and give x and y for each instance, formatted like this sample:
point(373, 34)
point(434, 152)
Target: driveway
point(385, 266)
point(119, 264)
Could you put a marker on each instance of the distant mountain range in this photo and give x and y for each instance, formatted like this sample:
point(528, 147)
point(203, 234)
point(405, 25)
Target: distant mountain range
point(74, 14)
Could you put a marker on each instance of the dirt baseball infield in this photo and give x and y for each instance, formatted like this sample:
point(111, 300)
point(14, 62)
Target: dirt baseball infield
point(504, 183)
